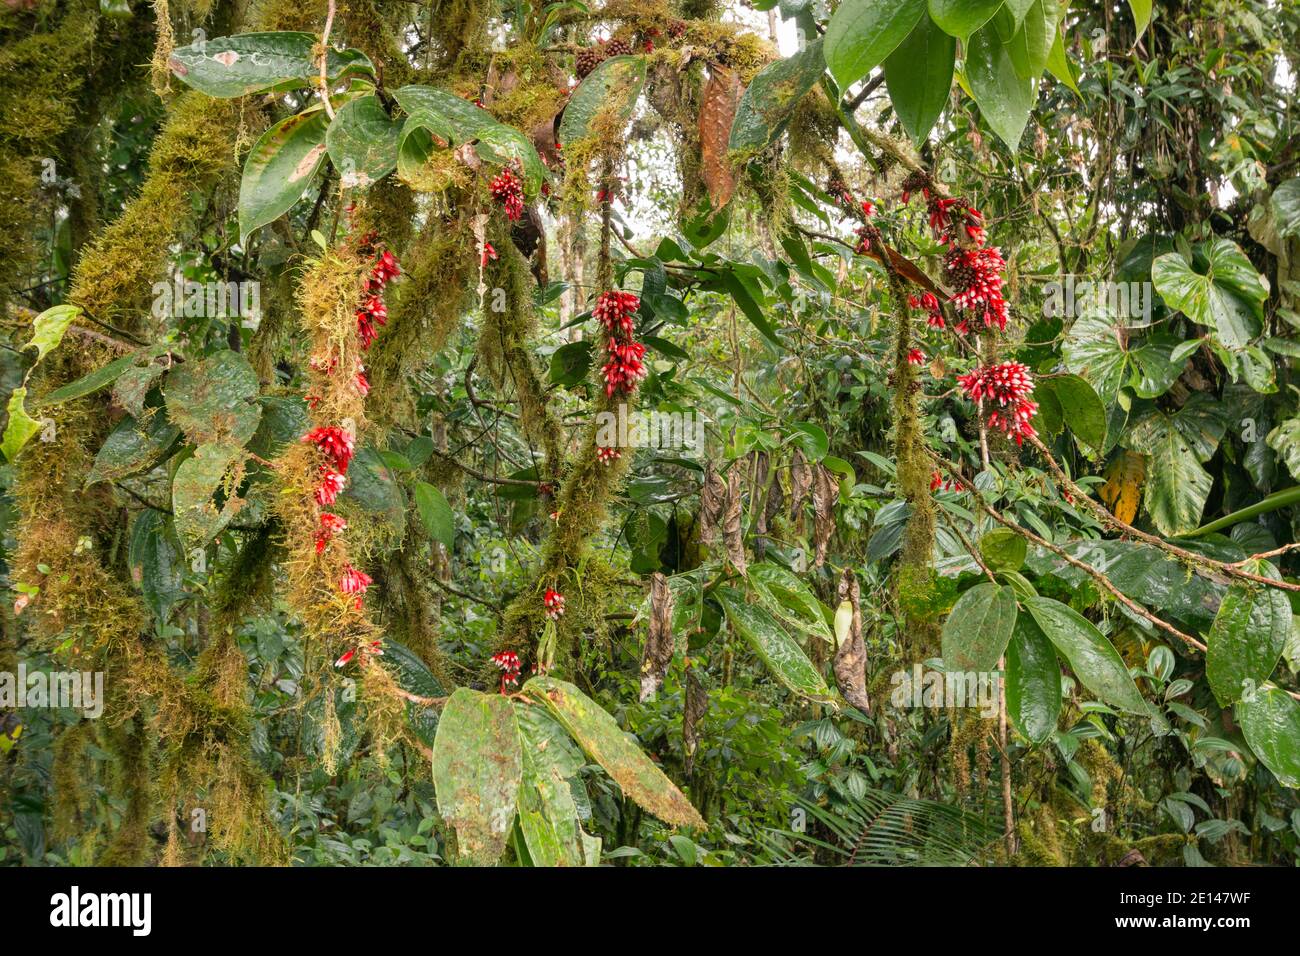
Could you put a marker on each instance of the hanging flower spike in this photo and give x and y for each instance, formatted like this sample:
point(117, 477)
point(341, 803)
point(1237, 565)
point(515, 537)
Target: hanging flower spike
point(331, 485)
point(510, 666)
point(976, 274)
point(330, 525)
point(936, 481)
point(553, 601)
point(615, 309)
point(508, 190)
point(386, 268)
point(1009, 384)
point(607, 455)
point(334, 443)
point(354, 582)
point(915, 357)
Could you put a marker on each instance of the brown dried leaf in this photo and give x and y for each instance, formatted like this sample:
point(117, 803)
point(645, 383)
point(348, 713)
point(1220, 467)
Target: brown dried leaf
point(697, 703)
point(659, 639)
point(713, 493)
point(718, 105)
point(801, 478)
point(761, 475)
point(825, 490)
point(733, 524)
point(851, 656)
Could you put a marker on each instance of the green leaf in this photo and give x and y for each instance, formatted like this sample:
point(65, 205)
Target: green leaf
point(279, 168)
point(1033, 679)
point(978, 628)
point(548, 815)
point(1176, 485)
point(198, 479)
point(89, 384)
point(774, 646)
point(436, 514)
point(862, 33)
point(1081, 408)
point(918, 75)
point(1031, 45)
point(1003, 549)
point(1271, 723)
point(789, 599)
point(1092, 658)
point(1004, 97)
point(1093, 349)
point(129, 448)
point(1226, 295)
point(214, 399)
point(1285, 440)
point(49, 326)
point(21, 426)
point(362, 142)
point(1141, 14)
point(961, 18)
point(600, 737)
point(1058, 64)
point(1249, 633)
point(284, 419)
point(156, 561)
point(771, 98)
point(412, 675)
point(570, 363)
point(749, 305)
point(257, 62)
point(477, 770)
point(1286, 208)
point(610, 90)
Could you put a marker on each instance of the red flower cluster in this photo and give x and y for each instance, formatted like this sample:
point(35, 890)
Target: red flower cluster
point(607, 455)
point(354, 582)
point(976, 274)
point(330, 487)
point(937, 482)
point(508, 190)
point(334, 443)
point(1009, 384)
point(330, 524)
point(930, 302)
point(373, 649)
point(553, 601)
point(373, 311)
point(916, 357)
point(623, 367)
point(510, 666)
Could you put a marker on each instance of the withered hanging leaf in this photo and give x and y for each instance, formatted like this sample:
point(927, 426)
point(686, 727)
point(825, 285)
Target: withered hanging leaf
point(850, 663)
point(762, 474)
point(906, 268)
point(718, 105)
point(825, 490)
point(775, 499)
point(659, 639)
point(733, 532)
point(697, 703)
point(1123, 488)
point(713, 493)
point(801, 479)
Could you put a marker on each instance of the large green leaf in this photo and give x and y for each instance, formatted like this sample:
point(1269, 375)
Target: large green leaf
point(1226, 293)
point(477, 769)
point(1176, 485)
point(214, 399)
point(918, 75)
point(978, 628)
point(1081, 407)
point(1092, 658)
point(48, 328)
point(1004, 97)
point(790, 599)
point(279, 168)
point(771, 97)
point(774, 646)
point(435, 514)
point(961, 18)
point(21, 426)
point(1285, 440)
point(1249, 633)
point(1286, 208)
point(256, 62)
point(156, 561)
point(862, 33)
point(1033, 679)
point(129, 448)
point(362, 142)
point(412, 675)
point(1271, 723)
point(1141, 14)
point(91, 383)
point(610, 91)
point(599, 735)
point(548, 814)
point(198, 479)
point(1094, 349)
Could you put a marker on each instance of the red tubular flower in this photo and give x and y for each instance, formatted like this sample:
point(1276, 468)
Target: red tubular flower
point(936, 481)
point(330, 525)
point(553, 601)
point(489, 252)
point(329, 488)
point(386, 268)
point(354, 582)
point(510, 666)
point(373, 649)
point(334, 443)
point(916, 357)
point(362, 383)
point(507, 189)
point(615, 309)
point(607, 455)
point(976, 274)
point(1009, 384)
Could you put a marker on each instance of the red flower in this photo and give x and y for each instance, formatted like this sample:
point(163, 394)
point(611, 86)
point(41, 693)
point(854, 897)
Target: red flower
point(916, 357)
point(510, 666)
point(489, 252)
point(607, 455)
point(330, 486)
point(615, 309)
point(334, 443)
point(355, 582)
point(330, 524)
point(553, 601)
point(1009, 385)
point(373, 649)
point(386, 268)
point(363, 383)
point(509, 191)
point(936, 481)
point(976, 274)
